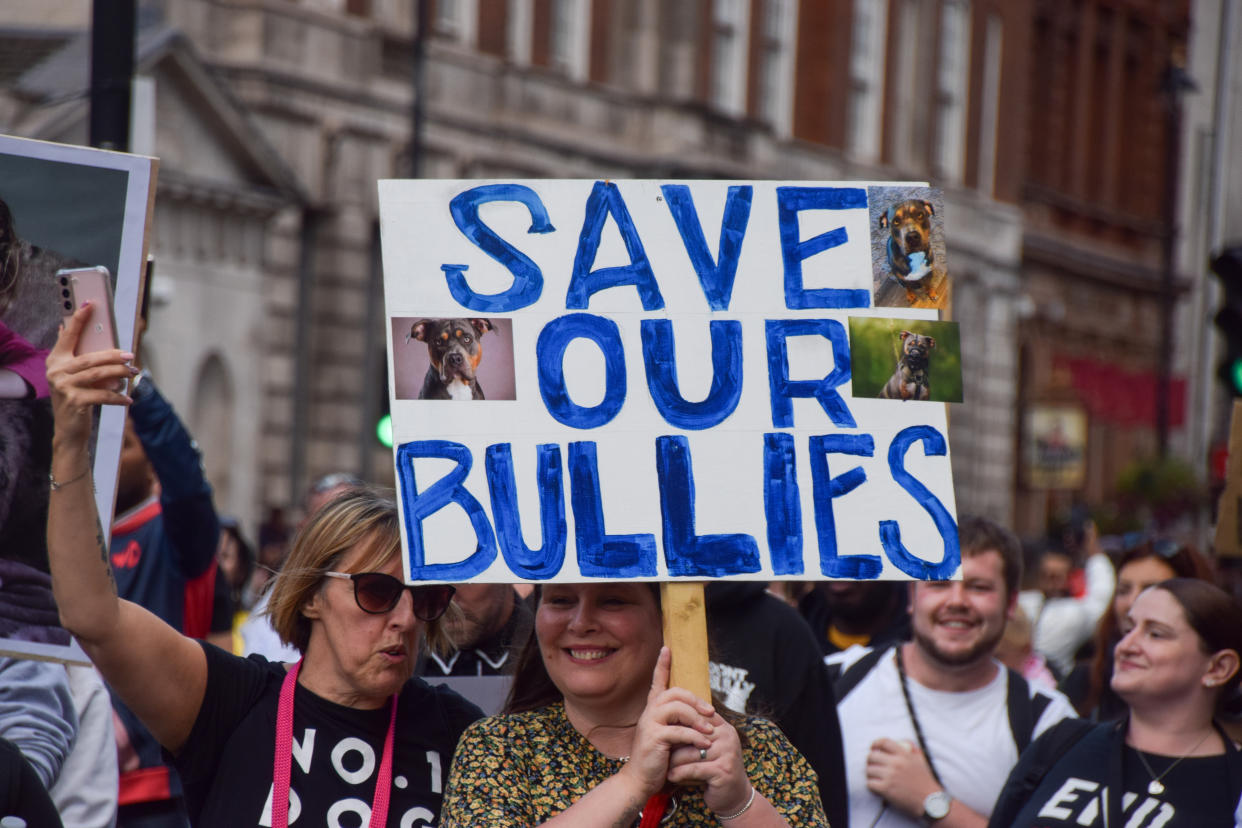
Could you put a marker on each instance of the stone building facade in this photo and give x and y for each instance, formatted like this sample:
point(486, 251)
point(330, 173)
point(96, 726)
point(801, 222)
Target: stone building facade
point(268, 328)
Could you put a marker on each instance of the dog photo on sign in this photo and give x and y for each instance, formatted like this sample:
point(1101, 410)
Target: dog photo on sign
point(442, 358)
point(905, 359)
point(908, 261)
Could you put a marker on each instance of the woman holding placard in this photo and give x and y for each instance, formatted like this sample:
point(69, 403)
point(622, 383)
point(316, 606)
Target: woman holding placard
point(593, 735)
point(345, 734)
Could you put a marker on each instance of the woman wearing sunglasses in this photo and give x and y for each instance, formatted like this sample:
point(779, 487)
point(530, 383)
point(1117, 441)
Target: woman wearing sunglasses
point(594, 736)
point(345, 736)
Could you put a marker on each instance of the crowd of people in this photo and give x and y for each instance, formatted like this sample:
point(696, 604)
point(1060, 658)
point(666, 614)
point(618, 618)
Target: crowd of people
point(303, 682)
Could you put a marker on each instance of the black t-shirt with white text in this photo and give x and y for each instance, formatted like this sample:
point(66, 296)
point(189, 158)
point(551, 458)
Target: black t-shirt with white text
point(226, 764)
point(1084, 786)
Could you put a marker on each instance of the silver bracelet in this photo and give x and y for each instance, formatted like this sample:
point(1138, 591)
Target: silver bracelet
point(745, 808)
point(58, 485)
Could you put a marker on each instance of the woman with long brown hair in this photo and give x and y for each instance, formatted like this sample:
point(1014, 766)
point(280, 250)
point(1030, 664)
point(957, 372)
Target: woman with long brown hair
point(1145, 561)
point(1168, 762)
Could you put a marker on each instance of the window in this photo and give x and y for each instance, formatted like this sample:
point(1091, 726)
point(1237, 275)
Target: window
point(951, 90)
point(990, 105)
point(521, 18)
point(908, 107)
point(569, 44)
point(867, 48)
point(776, 80)
point(729, 47)
point(458, 19)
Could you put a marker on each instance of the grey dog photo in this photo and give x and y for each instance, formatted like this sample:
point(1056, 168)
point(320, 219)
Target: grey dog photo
point(909, 267)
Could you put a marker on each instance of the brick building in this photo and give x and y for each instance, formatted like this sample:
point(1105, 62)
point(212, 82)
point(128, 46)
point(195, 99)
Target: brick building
point(1039, 119)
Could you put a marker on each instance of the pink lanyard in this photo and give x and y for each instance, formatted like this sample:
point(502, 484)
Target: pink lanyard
point(284, 758)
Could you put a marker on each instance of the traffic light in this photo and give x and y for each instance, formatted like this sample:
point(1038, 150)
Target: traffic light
point(383, 423)
point(1227, 265)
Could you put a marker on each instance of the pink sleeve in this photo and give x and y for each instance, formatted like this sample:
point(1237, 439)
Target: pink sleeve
point(24, 359)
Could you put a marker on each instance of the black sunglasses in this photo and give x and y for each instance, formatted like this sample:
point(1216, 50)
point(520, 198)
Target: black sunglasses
point(377, 593)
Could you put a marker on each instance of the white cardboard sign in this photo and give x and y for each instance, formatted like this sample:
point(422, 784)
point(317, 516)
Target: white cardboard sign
point(649, 380)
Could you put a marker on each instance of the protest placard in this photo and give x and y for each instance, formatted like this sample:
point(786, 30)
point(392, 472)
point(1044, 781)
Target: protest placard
point(60, 207)
point(651, 380)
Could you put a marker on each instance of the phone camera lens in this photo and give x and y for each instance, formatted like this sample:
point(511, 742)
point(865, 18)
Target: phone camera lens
point(65, 293)
point(64, 280)
point(68, 306)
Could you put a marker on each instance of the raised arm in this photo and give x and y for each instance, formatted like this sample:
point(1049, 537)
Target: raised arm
point(185, 495)
point(158, 672)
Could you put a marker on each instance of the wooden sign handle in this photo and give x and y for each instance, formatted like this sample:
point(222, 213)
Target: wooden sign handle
point(685, 633)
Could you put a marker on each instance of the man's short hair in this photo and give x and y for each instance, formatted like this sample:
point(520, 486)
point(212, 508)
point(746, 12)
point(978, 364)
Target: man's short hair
point(977, 535)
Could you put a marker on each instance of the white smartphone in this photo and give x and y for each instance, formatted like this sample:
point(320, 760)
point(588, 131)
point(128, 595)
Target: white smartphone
point(93, 284)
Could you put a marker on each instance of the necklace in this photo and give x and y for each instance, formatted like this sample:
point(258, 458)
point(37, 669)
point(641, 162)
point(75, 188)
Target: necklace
point(1155, 787)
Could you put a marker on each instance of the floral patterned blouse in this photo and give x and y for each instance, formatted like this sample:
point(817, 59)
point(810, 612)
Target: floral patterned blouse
point(525, 768)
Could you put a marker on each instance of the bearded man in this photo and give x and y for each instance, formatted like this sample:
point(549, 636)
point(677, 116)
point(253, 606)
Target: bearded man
point(932, 726)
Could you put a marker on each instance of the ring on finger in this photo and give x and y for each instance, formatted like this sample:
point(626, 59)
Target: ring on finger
point(702, 754)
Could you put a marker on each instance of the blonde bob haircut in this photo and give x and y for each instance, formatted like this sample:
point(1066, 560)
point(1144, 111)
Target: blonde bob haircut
point(363, 516)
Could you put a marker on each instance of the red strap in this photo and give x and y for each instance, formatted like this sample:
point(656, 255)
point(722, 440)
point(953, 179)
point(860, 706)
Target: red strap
point(200, 594)
point(133, 520)
point(653, 811)
point(144, 785)
point(284, 758)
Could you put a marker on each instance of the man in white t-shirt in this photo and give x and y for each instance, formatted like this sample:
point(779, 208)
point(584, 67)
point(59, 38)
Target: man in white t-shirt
point(932, 727)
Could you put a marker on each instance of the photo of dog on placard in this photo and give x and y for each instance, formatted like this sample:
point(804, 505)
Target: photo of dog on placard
point(908, 261)
point(906, 359)
point(463, 359)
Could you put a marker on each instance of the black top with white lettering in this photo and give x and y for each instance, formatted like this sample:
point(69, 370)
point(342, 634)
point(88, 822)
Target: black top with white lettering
point(1103, 774)
point(226, 764)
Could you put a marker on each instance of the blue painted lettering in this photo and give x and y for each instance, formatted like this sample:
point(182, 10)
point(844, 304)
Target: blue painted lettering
point(550, 349)
point(418, 506)
point(527, 277)
point(934, 445)
point(535, 564)
point(789, 202)
point(659, 357)
point(606, 200)
point(783, 389)
point(827, 488)
point(601, 555)
point(716, 276)
point(688, 554)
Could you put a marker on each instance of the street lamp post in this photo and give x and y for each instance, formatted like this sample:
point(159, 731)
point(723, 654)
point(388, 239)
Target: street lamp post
point(1176, 83)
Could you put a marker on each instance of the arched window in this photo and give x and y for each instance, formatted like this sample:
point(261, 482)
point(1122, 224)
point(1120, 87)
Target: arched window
point(212, 408)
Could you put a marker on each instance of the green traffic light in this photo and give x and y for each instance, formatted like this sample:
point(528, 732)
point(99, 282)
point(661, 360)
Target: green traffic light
point(1233, 374)
point(383, 431)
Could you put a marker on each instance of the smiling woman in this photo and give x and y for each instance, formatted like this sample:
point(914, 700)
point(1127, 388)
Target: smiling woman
point(345, 731)
point(1169, 763)
point(594, 736)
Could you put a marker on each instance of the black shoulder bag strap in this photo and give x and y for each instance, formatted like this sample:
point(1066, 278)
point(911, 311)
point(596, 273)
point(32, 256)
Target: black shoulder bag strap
point(843, 681)
point(1024, 710)
point(1049, 749)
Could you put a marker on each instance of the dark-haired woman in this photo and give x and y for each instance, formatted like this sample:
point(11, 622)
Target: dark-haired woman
point(1168, 762)
point(593, 736)
point(1145, 561)
point(344, 737)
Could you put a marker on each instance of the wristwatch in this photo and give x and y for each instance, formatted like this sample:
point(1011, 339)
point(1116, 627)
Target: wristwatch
point(936, 806)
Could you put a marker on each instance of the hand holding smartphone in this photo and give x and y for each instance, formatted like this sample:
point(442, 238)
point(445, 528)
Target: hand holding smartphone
point(89, 284)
